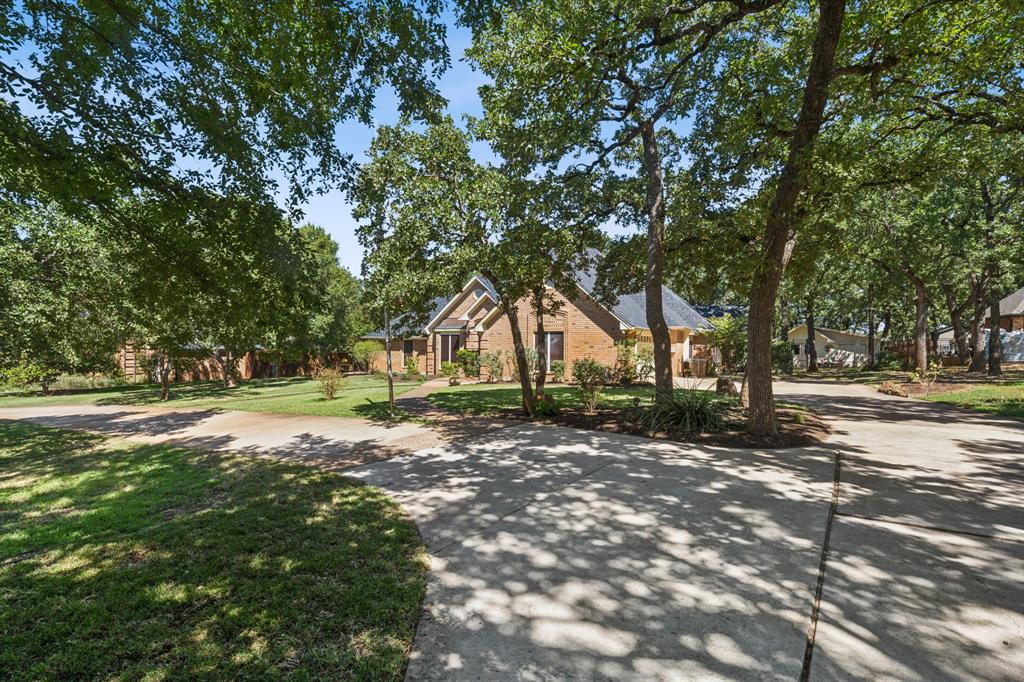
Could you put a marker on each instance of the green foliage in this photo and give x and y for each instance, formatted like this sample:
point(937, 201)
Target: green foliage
point(450, 370)
point(729, 335)
point(469, 361)
point(624, 372)
point(494, 363)
point(644, 361)
point(363, 352)
point(782, 357)
point(29, 374)
point(558, 371)
point(331, 381)
point(412, 367)
point(888, 361)
point(590, 376)
point(687, 412)
point(547, 406)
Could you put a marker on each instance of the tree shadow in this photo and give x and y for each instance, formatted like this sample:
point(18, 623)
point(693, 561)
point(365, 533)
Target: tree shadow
point(152, 561)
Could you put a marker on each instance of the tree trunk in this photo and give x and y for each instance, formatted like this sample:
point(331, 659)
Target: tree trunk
point(811, 347)
point(977, 347)
point(783, 331)
point(227, 366)
point(920, 323)
point(872, 361)
point(956, 320)
point(782, 219)
point(995, 342)
point(522, 365)
point(654, 209)
point(163, 373)
point(387, 354)
point(542, 360)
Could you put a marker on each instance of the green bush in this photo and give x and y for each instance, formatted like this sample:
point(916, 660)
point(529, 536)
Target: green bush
point(624, 372)
point(412, 367)
point(644, 361)
point(558, 370)
point(29, 374)
point(590, 377)
point(331, 381)
point(687, 412)
point(469, 361)
point(364, 351)
point(450, 370)
point(782, 356)
point(888, 361)
point(547, 406)
point(729, 334)
point(494, 362)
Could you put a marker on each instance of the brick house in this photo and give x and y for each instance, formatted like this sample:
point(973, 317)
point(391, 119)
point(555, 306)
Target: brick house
point(581, 327)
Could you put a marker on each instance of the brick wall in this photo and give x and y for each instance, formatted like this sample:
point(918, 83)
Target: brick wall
point(590, 330)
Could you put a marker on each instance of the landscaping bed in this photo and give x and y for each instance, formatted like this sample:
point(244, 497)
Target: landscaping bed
point(125, 561)
point(617, 413)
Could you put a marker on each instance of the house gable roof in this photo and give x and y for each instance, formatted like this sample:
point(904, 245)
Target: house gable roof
point(632, 308)
point(1011, 305)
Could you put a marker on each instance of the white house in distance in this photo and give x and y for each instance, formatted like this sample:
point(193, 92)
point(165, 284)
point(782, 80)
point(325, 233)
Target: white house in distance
point(834, 348)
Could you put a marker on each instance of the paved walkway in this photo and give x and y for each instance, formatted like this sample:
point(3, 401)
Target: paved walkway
point(330, 442)
point(564, 554)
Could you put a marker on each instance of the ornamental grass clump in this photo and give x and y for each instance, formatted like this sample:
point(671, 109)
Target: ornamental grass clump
point(687, 412)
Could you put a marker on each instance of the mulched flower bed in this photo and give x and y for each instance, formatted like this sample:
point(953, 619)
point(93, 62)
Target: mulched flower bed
point(797, 428)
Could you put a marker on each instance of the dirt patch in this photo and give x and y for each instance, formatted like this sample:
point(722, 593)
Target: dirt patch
point(797, 428)
point(914, 389)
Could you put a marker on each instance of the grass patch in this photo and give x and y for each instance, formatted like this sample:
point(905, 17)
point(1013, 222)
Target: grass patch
point(497, 398)
point(361, 396)
point(149, 562)
point(1005, 400)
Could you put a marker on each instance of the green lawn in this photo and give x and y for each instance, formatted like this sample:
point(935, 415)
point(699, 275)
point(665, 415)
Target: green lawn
point(491, 398)
point(125, 561)
point(1005, 400)
point(362, 396)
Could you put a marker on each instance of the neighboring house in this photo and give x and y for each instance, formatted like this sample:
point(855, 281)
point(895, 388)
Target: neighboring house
point(581, 328)
point(1011, 319)
point(833, 347)
point(1011, 312)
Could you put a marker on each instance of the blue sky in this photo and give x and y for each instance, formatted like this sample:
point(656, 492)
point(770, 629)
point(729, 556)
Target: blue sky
point(332, 211)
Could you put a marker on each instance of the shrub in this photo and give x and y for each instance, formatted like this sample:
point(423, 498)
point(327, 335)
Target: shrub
point(451, 371)
point(379, 374)
point(644, 361)
point(888, 361)
point(687, 412)
point(364, 351)
point(494, 363)
point(547, 406)
point(729, 334)
point(469, 361)
point(590, 377)
point(782, 356)
point(412, 367)
point(29, 373)
point(558, 370)
point(331, 381)
point(624, 372)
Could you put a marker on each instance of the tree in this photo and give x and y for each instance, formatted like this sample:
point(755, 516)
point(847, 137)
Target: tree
point(433, 217)
point(59, 286)
point(580, 81)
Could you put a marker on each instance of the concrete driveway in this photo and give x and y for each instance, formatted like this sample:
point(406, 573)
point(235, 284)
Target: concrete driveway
point(329, 442)
point(564, 554)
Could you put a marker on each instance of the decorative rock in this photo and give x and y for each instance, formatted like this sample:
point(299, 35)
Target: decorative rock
point(725, 386)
